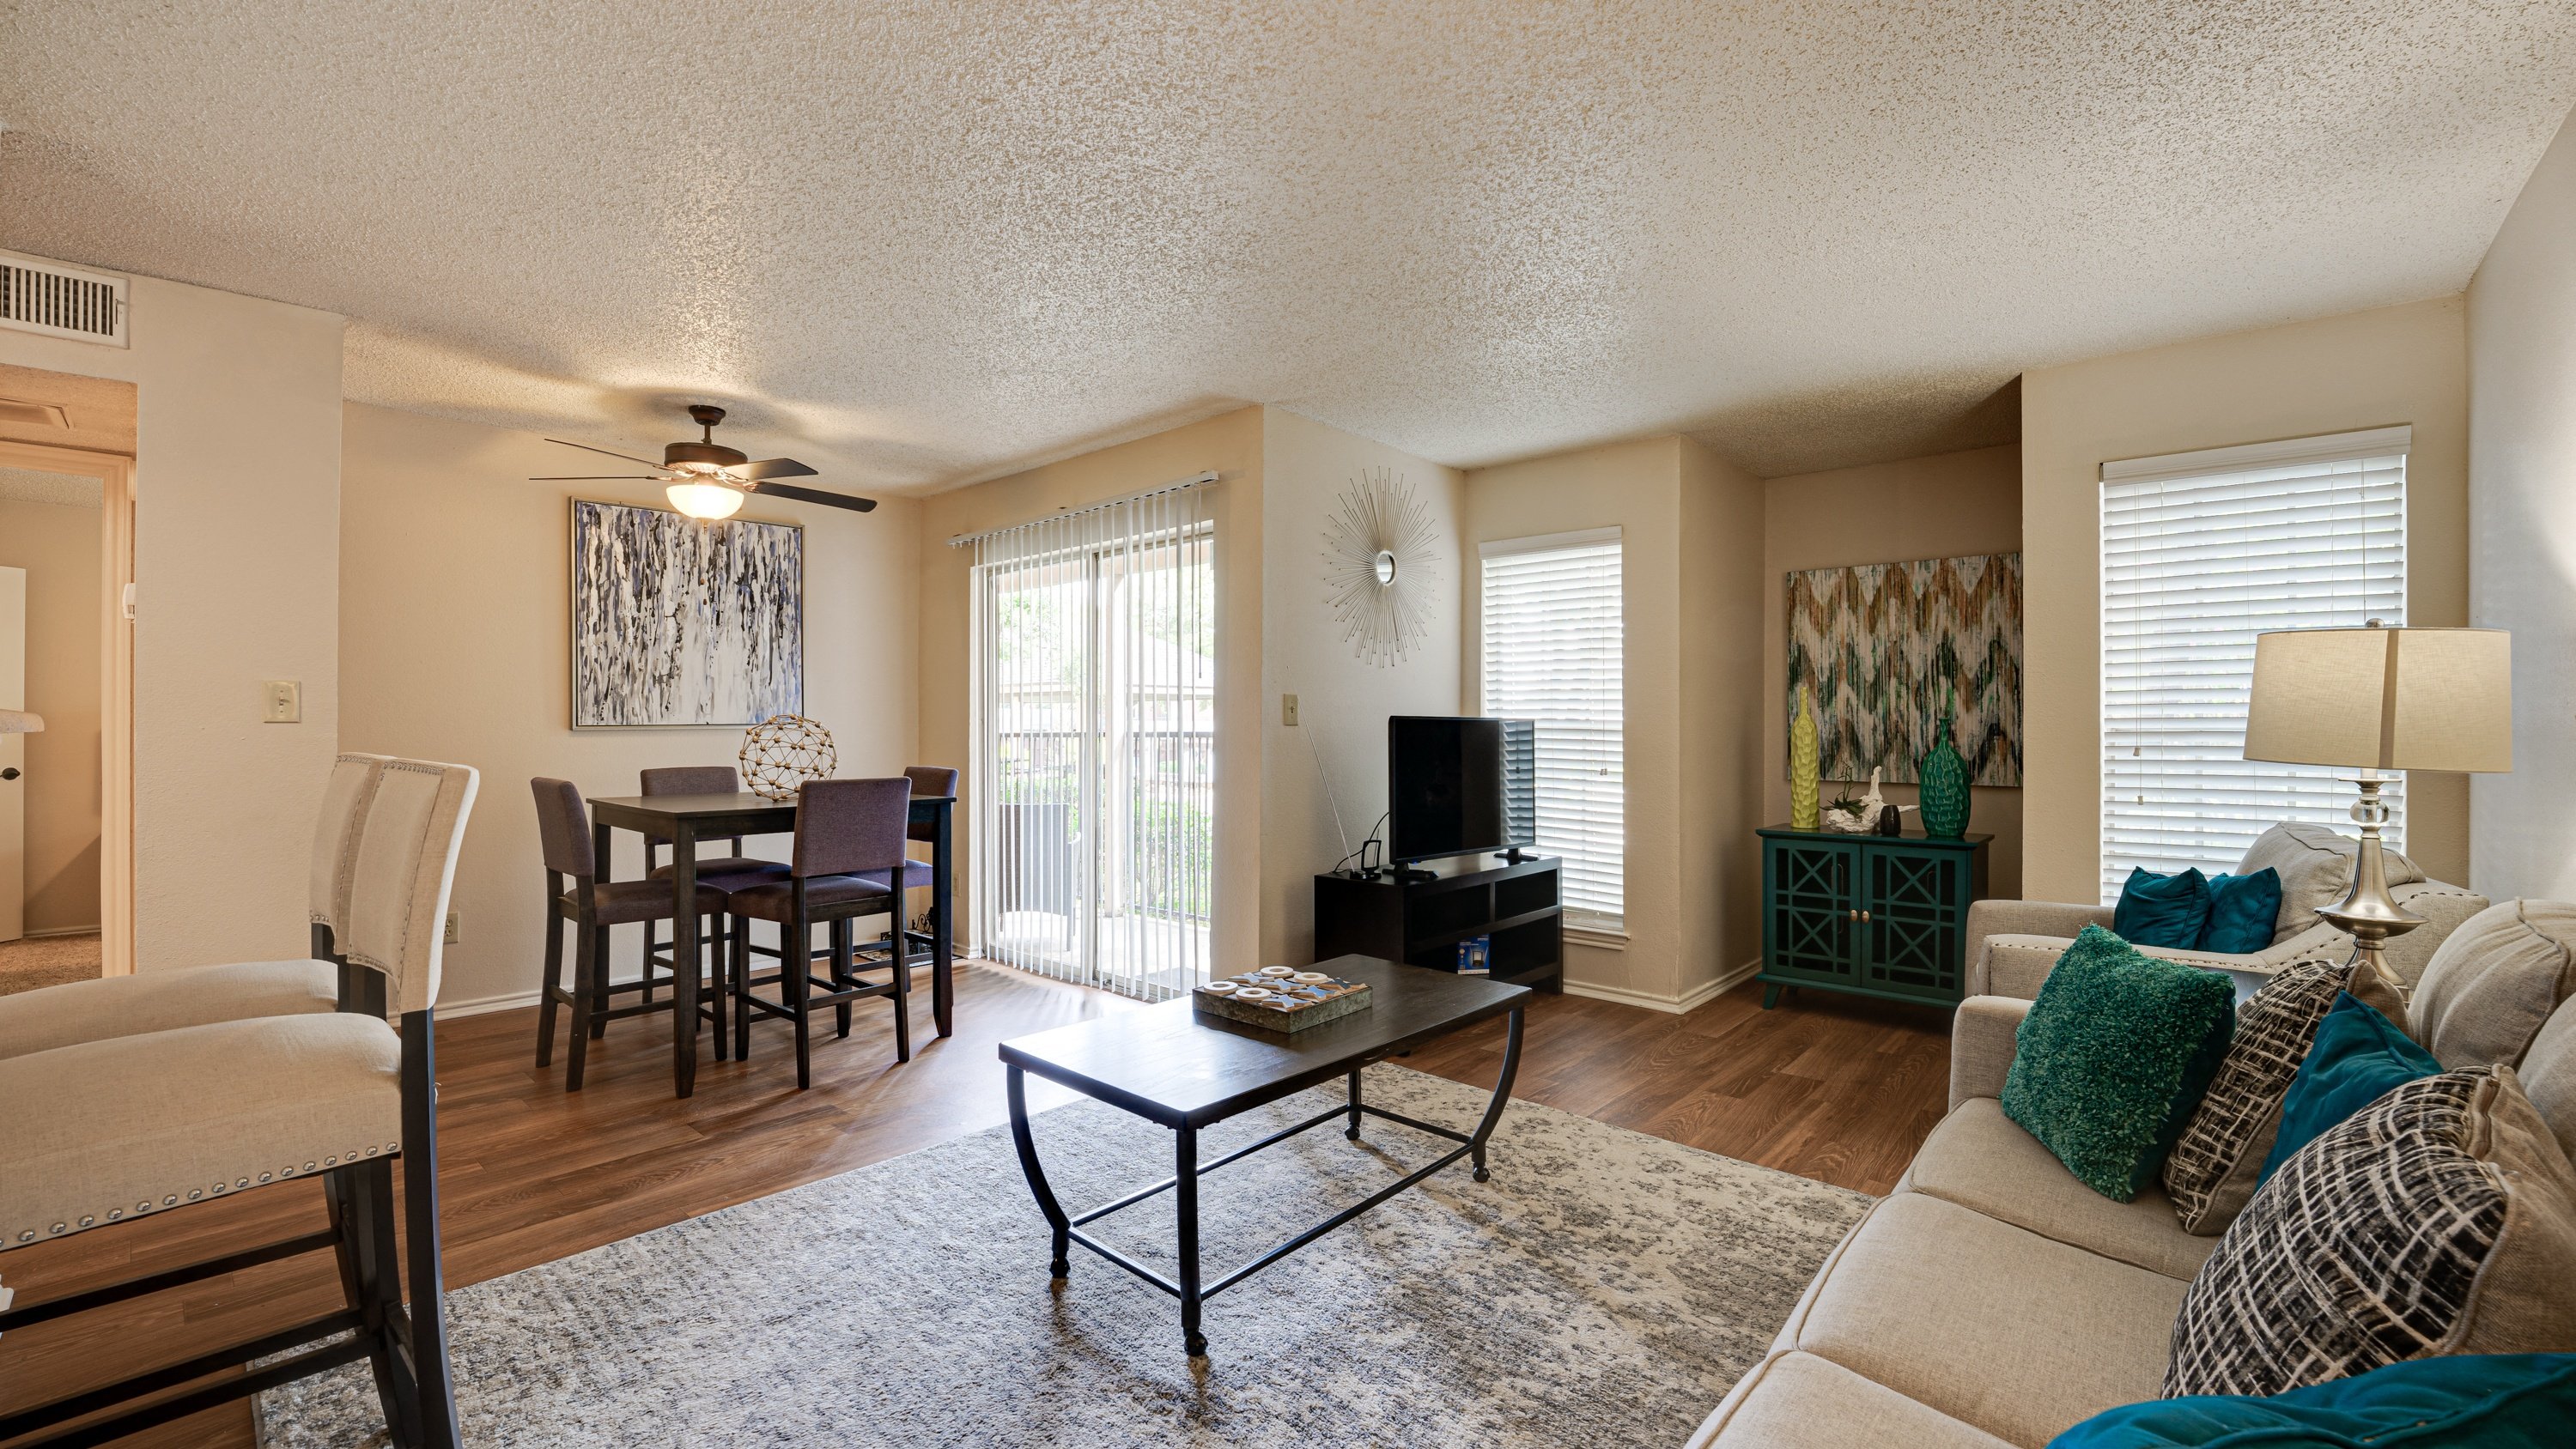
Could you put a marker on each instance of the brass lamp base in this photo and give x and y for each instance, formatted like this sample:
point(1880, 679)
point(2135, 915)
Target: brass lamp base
point(2367, 910)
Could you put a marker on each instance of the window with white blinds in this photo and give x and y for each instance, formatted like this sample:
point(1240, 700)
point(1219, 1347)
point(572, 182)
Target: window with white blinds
point(2201, 552)
point(1553, 635)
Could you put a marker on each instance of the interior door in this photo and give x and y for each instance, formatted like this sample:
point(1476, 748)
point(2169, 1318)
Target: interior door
point(13, 756)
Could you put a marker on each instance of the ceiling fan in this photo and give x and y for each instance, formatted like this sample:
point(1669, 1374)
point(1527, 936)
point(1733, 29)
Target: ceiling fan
point(709, 480)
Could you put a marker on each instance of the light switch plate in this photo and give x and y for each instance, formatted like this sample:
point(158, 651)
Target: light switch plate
point(281, 702)
point(1287, 709)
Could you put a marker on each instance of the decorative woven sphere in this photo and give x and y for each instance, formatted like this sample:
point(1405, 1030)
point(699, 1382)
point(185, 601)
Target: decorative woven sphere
point(783, 752)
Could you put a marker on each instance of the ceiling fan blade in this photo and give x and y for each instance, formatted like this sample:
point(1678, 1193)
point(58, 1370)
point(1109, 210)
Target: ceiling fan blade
point(602, 478)
point(813, 495)
point(771, 468)
point(587, 448)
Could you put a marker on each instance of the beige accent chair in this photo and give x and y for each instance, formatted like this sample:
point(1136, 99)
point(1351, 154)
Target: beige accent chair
point(1993, 1300)
point(2012, 944)
point(150, 1001)
point(134, 1123)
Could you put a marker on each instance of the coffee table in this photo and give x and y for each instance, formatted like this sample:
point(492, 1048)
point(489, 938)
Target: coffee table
point(1170, 1064)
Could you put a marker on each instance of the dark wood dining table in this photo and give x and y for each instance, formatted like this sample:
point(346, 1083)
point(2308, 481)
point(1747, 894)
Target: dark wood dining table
point(685, 820)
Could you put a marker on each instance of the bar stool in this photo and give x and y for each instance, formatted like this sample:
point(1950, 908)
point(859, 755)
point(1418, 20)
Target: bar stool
point(594, 905)
point(846, 830)
point(929, 782)
point(723, 872)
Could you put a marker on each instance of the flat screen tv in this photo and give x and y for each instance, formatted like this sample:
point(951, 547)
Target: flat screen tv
point(1459, 786)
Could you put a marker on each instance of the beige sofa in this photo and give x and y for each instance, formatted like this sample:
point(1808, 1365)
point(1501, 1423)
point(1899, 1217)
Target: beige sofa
point(1992, 1299)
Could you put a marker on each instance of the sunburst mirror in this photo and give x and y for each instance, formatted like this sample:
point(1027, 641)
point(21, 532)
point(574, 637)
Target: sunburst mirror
point(1380, 566)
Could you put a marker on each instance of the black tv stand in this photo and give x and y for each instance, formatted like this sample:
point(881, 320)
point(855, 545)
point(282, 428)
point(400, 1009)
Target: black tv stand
point(1418, 916)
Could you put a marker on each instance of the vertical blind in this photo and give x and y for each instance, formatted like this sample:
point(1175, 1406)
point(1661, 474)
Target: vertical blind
point(2200, 552)
point(1553, 634)
point(1095, 744)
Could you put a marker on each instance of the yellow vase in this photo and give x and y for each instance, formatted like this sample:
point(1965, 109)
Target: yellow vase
point(1803, 762)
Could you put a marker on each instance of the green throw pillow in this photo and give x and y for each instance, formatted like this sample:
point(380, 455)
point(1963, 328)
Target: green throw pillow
point(2358, 1057)
point(2113, 1057)
point(2496, 1401)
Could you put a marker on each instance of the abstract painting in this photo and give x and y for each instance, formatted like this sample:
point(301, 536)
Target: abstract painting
point(678, 622)
point(1881, 648)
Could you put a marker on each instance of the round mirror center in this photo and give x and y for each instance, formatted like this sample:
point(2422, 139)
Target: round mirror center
point(1385, 566)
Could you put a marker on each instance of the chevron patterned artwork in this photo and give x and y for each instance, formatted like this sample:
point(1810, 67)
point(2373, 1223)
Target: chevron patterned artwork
point(1882, 645)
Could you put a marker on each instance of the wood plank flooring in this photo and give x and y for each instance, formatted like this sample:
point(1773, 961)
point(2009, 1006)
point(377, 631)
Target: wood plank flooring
point(1837, 1088)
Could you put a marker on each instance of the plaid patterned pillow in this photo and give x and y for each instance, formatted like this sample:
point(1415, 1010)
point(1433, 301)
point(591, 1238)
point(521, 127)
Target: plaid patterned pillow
point(2439, 1219)
point(2210, 1174)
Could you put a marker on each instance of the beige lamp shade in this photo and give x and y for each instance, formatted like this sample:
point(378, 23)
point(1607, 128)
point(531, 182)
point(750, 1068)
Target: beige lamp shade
point(2387, 699)
point(20, 722)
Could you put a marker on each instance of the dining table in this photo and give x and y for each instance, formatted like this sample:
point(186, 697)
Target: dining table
point(682, 821)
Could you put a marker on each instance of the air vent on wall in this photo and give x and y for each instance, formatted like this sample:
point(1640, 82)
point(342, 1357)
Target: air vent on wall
point(61, 301)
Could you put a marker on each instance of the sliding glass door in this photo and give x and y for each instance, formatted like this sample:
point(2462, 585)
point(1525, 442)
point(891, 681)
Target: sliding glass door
point(1095, 750)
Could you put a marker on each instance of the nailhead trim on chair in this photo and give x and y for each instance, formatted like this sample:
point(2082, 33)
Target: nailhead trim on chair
point(197, 1194)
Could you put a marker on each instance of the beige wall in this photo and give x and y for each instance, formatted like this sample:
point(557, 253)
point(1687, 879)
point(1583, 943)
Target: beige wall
point(1343, 701)
point(1722, 597)
point(58, 546)
point(1685, 930)
point(237, 575)
point(455, 645)
point(2522, 497)
point(2392, 365)
point(1944, 506)
point(1231, 445)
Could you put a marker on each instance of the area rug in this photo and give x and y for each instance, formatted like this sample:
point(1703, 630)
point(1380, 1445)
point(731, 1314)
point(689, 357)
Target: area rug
point(1604, 1288)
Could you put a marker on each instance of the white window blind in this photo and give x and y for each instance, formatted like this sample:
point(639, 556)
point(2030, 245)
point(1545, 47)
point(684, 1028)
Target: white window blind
point(1094, 781)
point(2201, 552)
point(1553, 635)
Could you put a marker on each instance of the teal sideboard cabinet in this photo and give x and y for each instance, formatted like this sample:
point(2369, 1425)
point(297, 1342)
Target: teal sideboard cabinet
point(1881, 915)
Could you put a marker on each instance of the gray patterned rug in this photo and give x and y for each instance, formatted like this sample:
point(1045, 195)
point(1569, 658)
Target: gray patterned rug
point(1603, 1289)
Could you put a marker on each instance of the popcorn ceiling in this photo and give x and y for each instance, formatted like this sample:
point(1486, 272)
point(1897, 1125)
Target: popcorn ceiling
point(919, 244)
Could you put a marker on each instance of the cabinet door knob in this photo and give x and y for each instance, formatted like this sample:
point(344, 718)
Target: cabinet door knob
point(1864, 915)
point(1855, 915)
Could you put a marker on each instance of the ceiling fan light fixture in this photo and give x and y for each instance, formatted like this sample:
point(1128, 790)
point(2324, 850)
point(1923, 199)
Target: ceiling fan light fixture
point(705, 500)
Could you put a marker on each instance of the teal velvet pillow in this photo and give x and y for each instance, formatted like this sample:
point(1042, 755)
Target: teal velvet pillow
point(2163, 910)
point(2357, 1058)
point(2241, 912)
point(2113, 1057)
point(2499, 1401)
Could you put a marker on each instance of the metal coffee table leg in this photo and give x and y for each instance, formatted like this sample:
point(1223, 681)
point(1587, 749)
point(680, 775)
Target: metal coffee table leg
point(1185, 1189)
point(1493, 1109)
point(1060, 1268)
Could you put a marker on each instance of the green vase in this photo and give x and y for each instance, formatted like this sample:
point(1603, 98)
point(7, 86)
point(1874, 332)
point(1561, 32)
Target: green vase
point(1803, 761)
point(1944, 786)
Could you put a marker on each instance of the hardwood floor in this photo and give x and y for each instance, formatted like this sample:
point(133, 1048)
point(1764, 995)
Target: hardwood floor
point(1837, 1088)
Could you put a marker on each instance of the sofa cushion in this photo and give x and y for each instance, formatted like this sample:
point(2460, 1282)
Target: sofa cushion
point(2212, 1170)
point(2242, 912)
point(2113, 1058)
point(2163, 910)
point(1988, 1323)
point(2315, 865)
point(2359, 1056)
point(2548, 1076)
point(2439, 1220)
point(2493, 982)
point(1800, 1401)
point(1979, 1159)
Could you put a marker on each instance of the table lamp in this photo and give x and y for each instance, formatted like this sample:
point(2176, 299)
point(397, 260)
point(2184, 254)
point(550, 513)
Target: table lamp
point(2377, 700)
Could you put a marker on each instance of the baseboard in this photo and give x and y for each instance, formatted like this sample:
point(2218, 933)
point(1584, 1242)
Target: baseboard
point(1691, 1000)
point(448, 1010)
point(58, 931)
